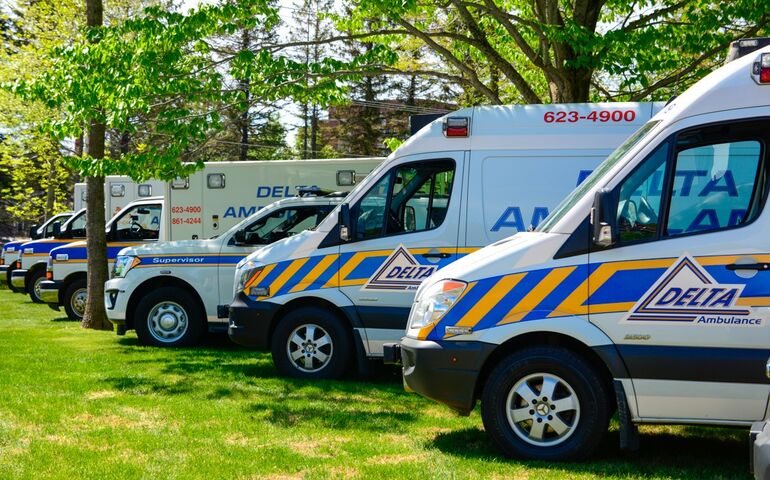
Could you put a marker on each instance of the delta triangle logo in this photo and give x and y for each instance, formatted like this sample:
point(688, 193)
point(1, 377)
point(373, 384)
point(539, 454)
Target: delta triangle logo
point(688, 294)
point(400, 271)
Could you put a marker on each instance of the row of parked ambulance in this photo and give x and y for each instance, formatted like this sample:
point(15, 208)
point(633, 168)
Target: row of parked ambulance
point(637, 281)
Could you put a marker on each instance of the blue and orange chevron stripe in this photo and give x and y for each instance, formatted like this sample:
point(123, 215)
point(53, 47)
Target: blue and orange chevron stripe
point(332, 270)
point(575, 290)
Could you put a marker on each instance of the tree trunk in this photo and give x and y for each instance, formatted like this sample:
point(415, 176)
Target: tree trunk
point(95, 314)
point(305, 129)
point(245, 86)
point(50, 193)
point(314, 132)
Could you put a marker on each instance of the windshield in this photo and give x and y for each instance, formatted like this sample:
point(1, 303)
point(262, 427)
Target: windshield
point(578, 193)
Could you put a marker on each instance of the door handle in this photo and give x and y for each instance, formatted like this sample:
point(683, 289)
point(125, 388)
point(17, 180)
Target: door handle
point(436, 255)
point(749, 266)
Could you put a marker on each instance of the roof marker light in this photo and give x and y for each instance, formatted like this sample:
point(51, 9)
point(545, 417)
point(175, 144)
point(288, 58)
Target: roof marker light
point(457, 126)
point(764, 68)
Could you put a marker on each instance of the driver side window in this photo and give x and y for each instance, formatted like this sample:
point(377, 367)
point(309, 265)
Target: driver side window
point(77, 228)
point(412, 197)
point(640, 198)
point(141, 222)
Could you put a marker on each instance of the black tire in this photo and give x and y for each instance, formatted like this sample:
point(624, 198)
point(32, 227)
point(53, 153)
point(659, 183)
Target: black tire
point(33, 279)
point(587, 425)
point(74, 299)
point(177, 306)
point(324, 327)
point(8, 281)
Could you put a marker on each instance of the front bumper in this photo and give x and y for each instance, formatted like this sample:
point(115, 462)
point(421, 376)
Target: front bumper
point(116, 301)
point(251, 322)
point(19, 279)
point(444, 371)
point(4, 271)
point(49, 292)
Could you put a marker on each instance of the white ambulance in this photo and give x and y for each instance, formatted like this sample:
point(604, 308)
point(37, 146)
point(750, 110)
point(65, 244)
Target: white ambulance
point(119, 191)
point(213, 200)
point(647, 289)
point(11, 251)
point(206, 204)
point(328, 297)
point(30, 269)
point(172, 292)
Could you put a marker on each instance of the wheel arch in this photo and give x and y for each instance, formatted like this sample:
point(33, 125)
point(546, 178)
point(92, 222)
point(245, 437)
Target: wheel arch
point(604, 359)
point(69, 280)
point(33, 269)
point(158, 282)
point(346, 315)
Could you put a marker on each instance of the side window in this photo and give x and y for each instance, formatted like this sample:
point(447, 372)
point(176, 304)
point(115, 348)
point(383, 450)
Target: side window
point(281, 224)
point(410, 198)
point(141, 222)
point(714, 186)
point(640, 198)
point(77, 228)
point(49, 228)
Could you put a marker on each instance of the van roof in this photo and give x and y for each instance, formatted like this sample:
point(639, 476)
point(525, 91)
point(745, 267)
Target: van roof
point(730, 87)
point(526, 127)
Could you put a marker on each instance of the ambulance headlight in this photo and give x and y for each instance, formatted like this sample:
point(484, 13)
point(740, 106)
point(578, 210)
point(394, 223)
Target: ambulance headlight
point(246, 273)
point(434, 302)
point(123, 264)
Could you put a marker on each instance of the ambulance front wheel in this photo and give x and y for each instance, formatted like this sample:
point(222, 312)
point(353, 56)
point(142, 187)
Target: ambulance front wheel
point(311, 343)
point(33, 284)
point(169, 317)
point(75, 298)
point(545, 403)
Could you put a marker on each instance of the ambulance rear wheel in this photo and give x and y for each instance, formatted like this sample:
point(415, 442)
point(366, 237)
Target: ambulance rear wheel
point(545, 403)
point(168, 317)
point(311, 343)
point(33, 284)
point(75, 299)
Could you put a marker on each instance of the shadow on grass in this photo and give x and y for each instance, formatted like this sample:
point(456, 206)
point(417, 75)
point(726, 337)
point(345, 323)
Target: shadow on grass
point(338, 415)
point(700, 453)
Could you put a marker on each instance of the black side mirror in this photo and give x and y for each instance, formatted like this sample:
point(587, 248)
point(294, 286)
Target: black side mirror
point(33, 232)
point(56, 229)
point(240, 237)
point(344, 222)
point(604, 222)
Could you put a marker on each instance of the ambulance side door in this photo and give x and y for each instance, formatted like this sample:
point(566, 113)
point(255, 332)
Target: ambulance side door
point(404, 228)
point(684, 292)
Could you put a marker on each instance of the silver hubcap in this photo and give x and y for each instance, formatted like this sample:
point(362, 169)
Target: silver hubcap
point(36, 286)
point(310, 347)
point(78, 302)
point(168, 322)
point(543, 409)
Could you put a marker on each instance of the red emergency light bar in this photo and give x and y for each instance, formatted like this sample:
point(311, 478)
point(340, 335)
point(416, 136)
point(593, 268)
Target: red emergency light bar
point(457, 126)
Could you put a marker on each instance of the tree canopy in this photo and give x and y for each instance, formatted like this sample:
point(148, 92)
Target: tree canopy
point(514, 51)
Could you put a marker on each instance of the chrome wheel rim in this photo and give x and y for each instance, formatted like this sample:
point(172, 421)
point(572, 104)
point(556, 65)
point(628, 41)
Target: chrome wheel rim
point(36, 286)
point(78, 302)
point(167, 322)
point(310, 348)
point(543, 409)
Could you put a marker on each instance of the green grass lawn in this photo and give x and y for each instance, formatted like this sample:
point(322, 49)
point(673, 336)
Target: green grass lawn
point(83, 404)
